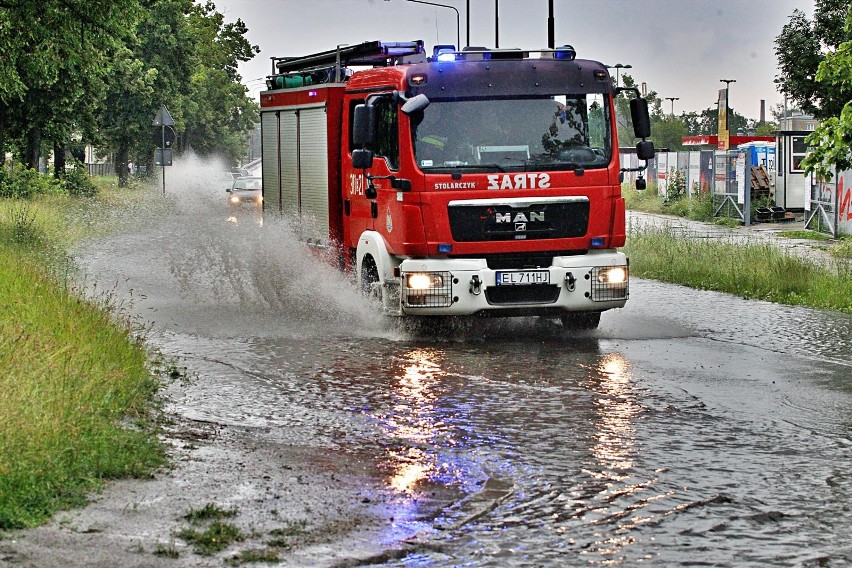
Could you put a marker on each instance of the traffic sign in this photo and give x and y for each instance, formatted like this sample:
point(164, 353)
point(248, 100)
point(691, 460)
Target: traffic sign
point(163, 156)
point(163, 117)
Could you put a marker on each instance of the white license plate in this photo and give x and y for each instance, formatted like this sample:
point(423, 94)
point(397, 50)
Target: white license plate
point(523, 277)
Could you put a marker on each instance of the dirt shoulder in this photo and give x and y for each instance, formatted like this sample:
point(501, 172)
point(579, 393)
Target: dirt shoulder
point(294, 506)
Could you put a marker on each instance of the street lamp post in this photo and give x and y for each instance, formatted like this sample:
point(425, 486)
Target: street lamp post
point(618, 67)
point(727, 99)
point(672, 99)
point(458, 18)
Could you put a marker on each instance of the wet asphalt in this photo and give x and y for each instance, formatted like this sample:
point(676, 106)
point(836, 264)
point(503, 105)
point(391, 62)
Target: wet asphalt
point(692, 428)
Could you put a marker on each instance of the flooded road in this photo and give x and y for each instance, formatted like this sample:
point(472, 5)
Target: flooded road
point(692, 428)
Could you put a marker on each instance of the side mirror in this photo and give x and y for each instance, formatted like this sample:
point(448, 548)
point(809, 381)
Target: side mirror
point(415, 103)
point(364, 125)
point(362, 159)
point(645, 150)
point(401, 184)
point(640, 117)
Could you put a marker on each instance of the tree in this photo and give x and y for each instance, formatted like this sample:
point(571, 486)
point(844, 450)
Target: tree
point(56, 54)
point(800, 49)
point(668, 132)
point(183, 56)
point(831, 142)
point(217, 113)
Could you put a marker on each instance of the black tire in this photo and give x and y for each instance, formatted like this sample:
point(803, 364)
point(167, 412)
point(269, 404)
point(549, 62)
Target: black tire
point(369, 277)
point(581, 321)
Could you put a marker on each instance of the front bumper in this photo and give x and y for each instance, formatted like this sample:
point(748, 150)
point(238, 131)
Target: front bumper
point(596, 281)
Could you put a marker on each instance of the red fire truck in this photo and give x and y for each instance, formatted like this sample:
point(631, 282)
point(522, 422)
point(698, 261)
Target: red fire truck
point(472, 182)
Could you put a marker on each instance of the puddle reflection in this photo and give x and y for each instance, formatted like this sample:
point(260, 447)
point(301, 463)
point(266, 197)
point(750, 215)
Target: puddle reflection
point(413, 420)
point(615, 436)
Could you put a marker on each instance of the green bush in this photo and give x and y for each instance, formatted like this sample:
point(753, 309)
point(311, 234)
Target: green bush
point(19, 181)
point(78, 182)
point(22, 226)
point(698, 207)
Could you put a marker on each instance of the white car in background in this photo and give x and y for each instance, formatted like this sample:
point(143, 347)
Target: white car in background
point(246, 192)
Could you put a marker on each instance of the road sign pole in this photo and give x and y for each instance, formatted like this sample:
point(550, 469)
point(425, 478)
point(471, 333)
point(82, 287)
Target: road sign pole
point(163, 146)
point(164, 120)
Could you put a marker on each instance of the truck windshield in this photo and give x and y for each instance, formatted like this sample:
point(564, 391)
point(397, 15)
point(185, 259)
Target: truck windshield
point(557, 132)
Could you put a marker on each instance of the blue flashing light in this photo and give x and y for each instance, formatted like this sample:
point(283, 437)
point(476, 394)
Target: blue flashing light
point(445, 247)
point(565, 52)
point(598, 241)
point(444, 52)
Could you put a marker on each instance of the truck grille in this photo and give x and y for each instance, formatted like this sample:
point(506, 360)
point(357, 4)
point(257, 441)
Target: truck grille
point(492, 221)
point(533, 294)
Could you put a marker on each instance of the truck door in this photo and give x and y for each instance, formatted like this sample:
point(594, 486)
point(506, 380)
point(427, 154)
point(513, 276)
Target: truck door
point(356, 207)
point(374, 213)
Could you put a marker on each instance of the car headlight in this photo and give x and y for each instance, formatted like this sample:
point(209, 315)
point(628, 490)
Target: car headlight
point(235, 199)
point(423, 280)
point(613, 275)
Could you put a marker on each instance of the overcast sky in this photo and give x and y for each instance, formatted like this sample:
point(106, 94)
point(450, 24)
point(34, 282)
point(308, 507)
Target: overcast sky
point(680, 48)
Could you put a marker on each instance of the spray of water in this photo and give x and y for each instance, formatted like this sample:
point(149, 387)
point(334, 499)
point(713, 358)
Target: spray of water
point(237, 257)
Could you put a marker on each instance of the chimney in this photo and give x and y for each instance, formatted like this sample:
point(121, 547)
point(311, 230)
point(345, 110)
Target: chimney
point(762, 110)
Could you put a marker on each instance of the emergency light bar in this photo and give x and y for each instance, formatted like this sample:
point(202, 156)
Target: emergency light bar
point(448, 53)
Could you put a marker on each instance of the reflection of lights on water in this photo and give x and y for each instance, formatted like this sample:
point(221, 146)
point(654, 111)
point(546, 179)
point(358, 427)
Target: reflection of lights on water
point(258, 220)
point(414, 419)
point(614, 451)
point(615, 435)
point(614, 367)
point(411, 467)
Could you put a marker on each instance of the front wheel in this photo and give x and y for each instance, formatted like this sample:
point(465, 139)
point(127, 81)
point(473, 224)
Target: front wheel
point(370, 284)
point(581, 321)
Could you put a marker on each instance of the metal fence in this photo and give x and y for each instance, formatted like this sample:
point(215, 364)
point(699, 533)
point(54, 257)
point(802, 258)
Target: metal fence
point(103, 169)
point(830, 205)
point(725, 175)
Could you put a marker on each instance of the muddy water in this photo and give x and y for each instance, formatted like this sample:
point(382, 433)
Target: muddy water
point(691, 428)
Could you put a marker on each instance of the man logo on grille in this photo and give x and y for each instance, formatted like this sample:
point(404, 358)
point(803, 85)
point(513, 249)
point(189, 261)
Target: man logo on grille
point(520, 227)
point(520, 217)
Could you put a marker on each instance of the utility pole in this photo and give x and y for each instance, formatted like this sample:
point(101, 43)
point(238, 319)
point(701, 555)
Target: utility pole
point(551, 26)
point(496, 24)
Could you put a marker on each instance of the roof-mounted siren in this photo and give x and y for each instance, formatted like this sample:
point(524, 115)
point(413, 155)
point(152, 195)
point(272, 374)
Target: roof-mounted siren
point(444, 52)
point(564, 52)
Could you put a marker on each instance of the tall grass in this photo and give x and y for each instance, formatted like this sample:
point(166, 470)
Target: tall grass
point(753, 271)
point(698, 207)
point(77, 393)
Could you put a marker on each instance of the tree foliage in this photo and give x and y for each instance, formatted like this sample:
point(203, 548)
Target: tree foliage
point(831, 142)
point(800, 49)
point(56, 61)
point(97, 71)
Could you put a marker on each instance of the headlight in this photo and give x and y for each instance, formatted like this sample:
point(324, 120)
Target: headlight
point(260, 199)
point(613, 275)
point(235, 199)
point(423, 280)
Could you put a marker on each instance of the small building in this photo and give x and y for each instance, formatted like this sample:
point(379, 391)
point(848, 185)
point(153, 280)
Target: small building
point(792, 187)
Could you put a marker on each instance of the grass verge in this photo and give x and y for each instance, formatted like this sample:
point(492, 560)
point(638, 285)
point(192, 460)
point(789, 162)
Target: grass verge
point(752, 271)
point(78, 390)
point(698, 207)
